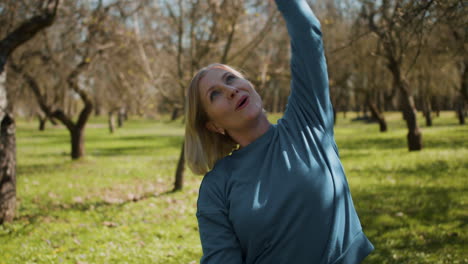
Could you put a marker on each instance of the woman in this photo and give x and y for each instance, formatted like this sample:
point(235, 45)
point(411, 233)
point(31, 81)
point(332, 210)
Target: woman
point(283, 196)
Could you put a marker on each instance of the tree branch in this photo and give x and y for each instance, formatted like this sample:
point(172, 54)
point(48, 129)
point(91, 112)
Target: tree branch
point(25, 32)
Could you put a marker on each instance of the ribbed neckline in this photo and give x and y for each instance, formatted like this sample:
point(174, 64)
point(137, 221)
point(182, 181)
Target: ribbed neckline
point(257, 142)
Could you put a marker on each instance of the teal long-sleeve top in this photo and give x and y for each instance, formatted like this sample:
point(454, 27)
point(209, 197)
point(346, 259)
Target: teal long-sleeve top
point(284, 198)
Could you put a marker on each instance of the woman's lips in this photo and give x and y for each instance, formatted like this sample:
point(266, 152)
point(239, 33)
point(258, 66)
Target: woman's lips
point(242, 105)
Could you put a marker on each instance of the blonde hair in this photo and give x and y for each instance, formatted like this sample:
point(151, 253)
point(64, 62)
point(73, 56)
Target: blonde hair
point(203, 148)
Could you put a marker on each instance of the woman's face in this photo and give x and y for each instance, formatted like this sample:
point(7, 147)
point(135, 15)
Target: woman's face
point(231, 102)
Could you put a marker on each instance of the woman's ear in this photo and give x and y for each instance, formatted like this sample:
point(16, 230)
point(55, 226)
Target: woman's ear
point(214, 128)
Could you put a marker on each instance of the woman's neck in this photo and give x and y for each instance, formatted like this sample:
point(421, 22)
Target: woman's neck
point(249, 134)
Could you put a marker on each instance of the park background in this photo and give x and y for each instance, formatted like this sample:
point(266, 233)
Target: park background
point(92, 121)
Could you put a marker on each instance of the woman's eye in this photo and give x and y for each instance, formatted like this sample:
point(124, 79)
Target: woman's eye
point(230, 78)
point(213, 94)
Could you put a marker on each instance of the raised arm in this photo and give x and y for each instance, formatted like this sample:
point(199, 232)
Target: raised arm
point(219, 242)
point(309, 84)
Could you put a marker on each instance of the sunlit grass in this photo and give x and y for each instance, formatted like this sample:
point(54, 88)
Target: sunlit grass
point(115, 205)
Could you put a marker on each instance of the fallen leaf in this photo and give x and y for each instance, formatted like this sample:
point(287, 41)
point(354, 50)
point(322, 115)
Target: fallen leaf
point(109, 224)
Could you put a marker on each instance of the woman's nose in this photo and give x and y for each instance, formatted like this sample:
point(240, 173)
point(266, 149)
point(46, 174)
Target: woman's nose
point(232, 92)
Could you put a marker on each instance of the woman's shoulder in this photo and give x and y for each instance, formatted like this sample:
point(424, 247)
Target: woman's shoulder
point(217, 175)
point(211, 195)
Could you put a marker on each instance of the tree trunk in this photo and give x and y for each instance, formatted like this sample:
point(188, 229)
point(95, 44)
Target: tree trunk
point(435, 105)
point(428, 116)
point(52, 121)
point(380, 104)
point(42, 123)
point(121, 117)
point(111, 122)
point(7, 157)
point(7, 169)
point(377, 115)
point(175, 114)
point(97, 108)
point(461, 112)
point(179, 176)
point(414, 135)
point(77, 142)
point(464, 93)
point(427, 112)
point(276, 100)
point(14, 39)
point(464, 80)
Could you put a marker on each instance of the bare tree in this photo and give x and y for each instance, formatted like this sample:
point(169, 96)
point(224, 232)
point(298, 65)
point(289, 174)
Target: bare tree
point(71, 50)
point(8, 43)
point(452, 14)
point(399, 24)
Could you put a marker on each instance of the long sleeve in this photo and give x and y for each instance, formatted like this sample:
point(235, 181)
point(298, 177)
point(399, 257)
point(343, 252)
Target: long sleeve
point(219, 242)
point(309, 84)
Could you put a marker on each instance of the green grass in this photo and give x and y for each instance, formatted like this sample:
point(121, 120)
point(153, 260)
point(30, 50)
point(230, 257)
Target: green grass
point(115, 205)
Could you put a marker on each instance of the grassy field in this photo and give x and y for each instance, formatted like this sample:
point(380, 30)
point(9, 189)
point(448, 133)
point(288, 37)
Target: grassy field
point(115, 205)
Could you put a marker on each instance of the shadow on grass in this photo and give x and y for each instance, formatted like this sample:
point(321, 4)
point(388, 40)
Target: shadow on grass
point(408, 218)
point(436, 169)
point(448, 142)
point(154, 145)
point(40, 168)
point(376, 143)
point(47, 210)
point(122, 151)
point(59, 153)
point(444, 124)
point(344, 155)
point(53, 141)
point(137, 138)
